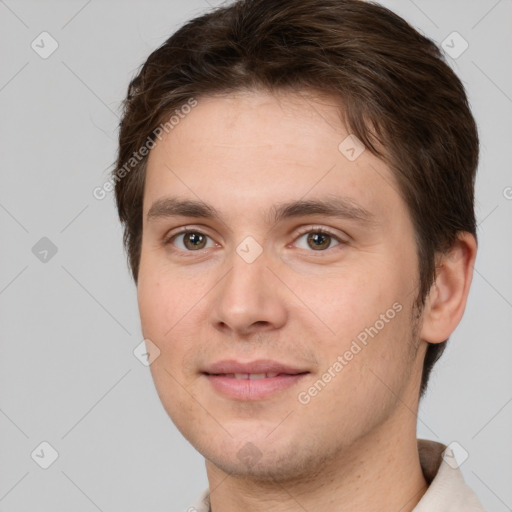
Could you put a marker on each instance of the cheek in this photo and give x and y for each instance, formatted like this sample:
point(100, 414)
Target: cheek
point(152, 304)
point(169, 308)
point(163, 320)
point(162, 298)
point(365, 320)
point(355, 375)
point(348, 302)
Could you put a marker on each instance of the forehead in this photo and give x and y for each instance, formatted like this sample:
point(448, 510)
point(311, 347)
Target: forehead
point(251, 118)
point(253, 149)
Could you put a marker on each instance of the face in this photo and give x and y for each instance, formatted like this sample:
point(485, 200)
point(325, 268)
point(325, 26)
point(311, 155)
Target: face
point(277, 277)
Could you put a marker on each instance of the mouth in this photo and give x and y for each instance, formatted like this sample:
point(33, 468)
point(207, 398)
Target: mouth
point(249, 376)
point(254, 380)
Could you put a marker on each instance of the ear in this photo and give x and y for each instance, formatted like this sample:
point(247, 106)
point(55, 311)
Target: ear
point(446, 301)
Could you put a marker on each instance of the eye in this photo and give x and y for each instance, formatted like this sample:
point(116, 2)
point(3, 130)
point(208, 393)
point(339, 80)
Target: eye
point(319, 239)
point(190, 241)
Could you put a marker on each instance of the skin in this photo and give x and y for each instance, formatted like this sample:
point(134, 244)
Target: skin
point(354, 444)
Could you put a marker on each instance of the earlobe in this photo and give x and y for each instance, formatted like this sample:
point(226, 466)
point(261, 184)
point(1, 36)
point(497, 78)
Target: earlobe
point(447, 297)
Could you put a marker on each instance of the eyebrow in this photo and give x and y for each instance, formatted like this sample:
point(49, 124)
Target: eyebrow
point(336, 206)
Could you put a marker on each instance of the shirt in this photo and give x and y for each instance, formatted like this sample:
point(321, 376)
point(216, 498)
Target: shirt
point(447, 490)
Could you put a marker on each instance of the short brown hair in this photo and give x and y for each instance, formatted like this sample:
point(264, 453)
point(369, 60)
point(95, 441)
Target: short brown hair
point(397, 93)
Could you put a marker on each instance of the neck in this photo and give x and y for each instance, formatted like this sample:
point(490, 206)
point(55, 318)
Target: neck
point(380, 472)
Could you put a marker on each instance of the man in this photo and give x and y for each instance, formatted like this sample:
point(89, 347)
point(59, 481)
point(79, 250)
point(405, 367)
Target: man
point(296, 184)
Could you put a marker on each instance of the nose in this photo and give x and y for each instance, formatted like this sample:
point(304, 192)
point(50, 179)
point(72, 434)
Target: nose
point(250, 298)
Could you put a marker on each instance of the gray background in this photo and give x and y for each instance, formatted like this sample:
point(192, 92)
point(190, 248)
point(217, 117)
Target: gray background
point(69, 324)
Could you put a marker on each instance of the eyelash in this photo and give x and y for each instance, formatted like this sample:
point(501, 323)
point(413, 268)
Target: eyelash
point(310, 229)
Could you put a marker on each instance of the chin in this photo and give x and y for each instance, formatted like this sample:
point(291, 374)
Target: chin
point(266, 461)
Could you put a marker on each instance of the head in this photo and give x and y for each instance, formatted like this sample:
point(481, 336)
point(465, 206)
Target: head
point(250, 108)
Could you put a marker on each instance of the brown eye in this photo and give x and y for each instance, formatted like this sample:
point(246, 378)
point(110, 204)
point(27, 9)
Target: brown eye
point(318, 240)
point(194, 241)
point(189, 241)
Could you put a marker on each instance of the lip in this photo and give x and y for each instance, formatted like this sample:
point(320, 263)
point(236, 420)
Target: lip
point(257, 366)
point(221, 376)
